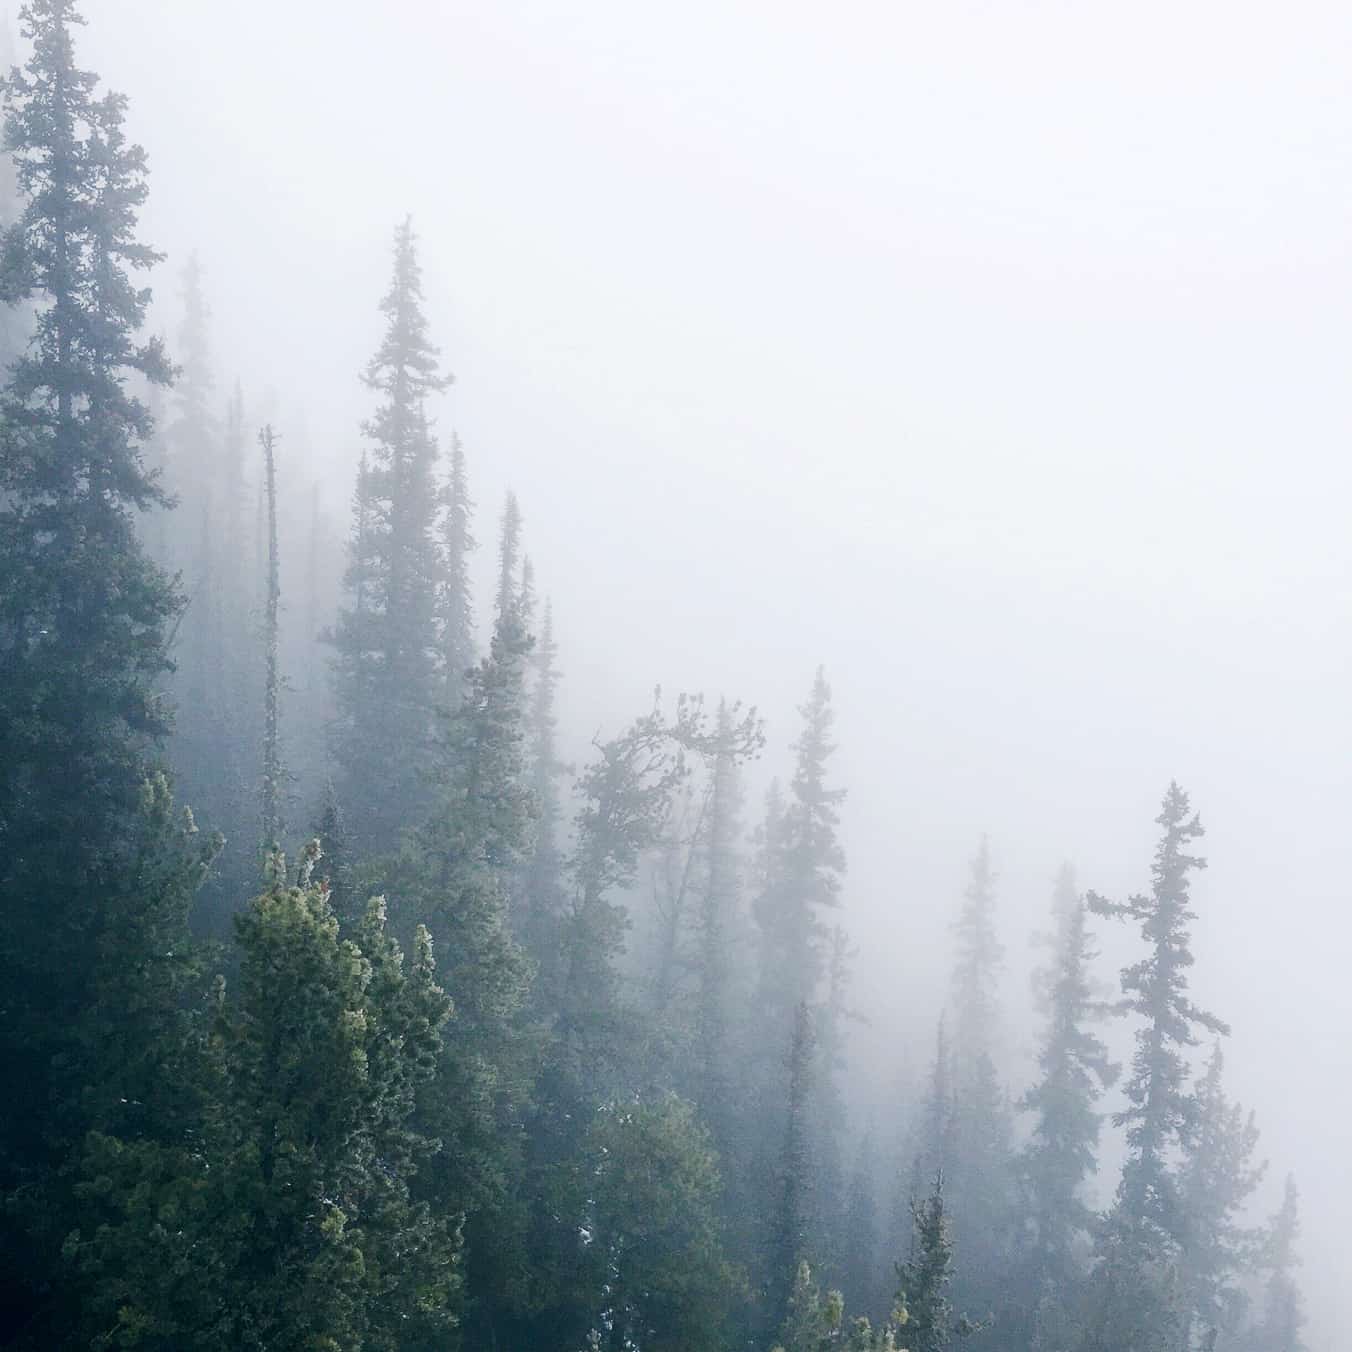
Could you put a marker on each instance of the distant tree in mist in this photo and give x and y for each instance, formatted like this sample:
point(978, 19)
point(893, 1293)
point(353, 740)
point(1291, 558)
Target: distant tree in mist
point(1217, 1178)
point(978, 1162)
point(1062, 1154)
point(387, 650)
point(803, 866)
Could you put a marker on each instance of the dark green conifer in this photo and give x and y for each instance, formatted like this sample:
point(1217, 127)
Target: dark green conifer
point(83, 621)
point(388, 652)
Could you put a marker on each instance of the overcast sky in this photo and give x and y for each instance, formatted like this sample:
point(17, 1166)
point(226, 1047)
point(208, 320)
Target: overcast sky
point(995, 355)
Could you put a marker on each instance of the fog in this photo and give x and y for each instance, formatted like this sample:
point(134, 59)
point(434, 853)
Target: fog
point(993, 356)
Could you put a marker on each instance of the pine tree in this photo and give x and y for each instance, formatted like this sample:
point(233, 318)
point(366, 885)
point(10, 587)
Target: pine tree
point(1280, 1329)
point(804, 867)
point(936, 1125)
point(509, 556)
point(1135, 1303)
point(594, 1037)
point(736, 738)
point(457, 607)
point(1217, 1178)
point(83, 621)
point(1160, 1113)
point(455, 876)
point(1061, 1155)
point(979, 1168)
point(388, 652)
point(924, 1278)
point(660, 1277)
point(283, 1219)
point(193, 467)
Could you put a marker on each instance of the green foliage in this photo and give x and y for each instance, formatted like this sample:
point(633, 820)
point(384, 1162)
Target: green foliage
point(281, 1218)
point(387, 649)
point(653, 1234)
point(924, 1279)
point(83, 619)
point(1160, 1113)
point(1061, 1155)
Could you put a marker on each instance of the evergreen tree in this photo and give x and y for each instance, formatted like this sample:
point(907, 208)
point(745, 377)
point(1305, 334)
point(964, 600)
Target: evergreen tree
point(1217, 1178)
point(978, 1172)
point(735, 740)
point(592, 1055)
point(1135, 1303)
point(509, 556)
point(1160, 1112)
point(334, 868)
point(804, 864)
point(925, 1277)
point(83, 620)
point(1061, 1155)
point(284, 1218)
point(454, 876)
point(661, 1279)
point(388, 652)
point(936, 1125)
point(1280, 1329)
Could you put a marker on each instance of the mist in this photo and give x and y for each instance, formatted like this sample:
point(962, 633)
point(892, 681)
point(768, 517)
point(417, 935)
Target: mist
point(991, 358)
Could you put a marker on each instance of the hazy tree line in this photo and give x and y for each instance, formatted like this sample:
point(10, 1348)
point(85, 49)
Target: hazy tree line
point(409, 1035)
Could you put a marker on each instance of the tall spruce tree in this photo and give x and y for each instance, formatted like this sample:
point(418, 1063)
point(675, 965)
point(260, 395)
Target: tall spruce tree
point(923, 1280)
point(1161, 1114)
point(804, 864)
point(83, 620)
point(455, 875)
point(1216, 1181)
point(388, 653)
point(1280, 1327)
point(1135, 1303)
point(979, 1173)
point(1062, 1152)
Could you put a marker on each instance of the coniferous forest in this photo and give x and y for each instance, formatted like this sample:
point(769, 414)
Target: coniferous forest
point(341, 1010)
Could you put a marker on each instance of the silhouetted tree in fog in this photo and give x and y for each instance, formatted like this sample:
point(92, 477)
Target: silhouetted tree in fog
point(388, 653)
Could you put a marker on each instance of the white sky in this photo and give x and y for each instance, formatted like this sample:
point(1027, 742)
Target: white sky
point(994, 354)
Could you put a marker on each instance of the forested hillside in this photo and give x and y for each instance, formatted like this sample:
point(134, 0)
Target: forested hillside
point(338, 1011)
